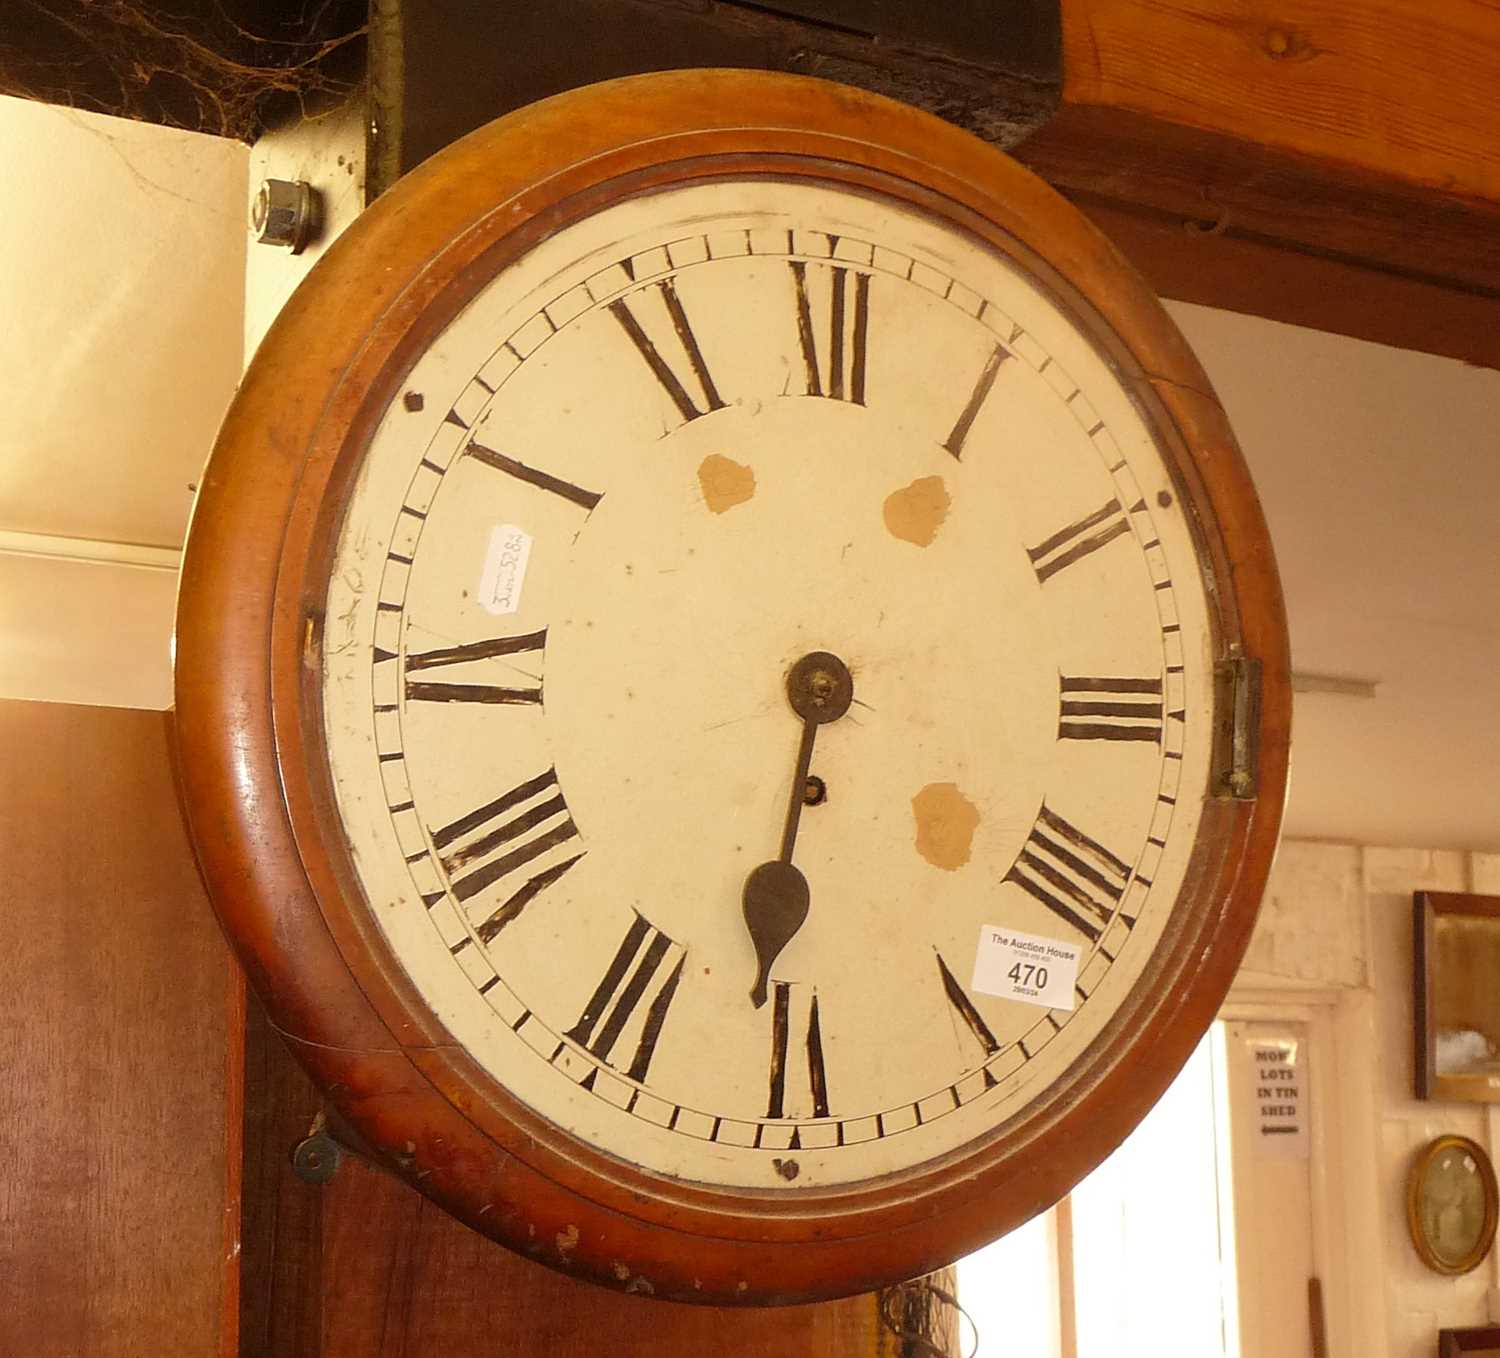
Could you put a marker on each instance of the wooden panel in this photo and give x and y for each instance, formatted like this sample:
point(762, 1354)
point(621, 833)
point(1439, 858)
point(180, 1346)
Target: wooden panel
point(1403, 89)
point(1273, 1201)
point(404, 1280)
point(280, 1301)
point(1244, 188)
point(365, 1265)
point(1185, 261)
point(1347, 134)
point(116, 1229)
point(1345, 153)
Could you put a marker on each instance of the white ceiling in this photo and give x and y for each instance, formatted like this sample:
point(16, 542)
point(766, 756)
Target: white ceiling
point(1379, 469)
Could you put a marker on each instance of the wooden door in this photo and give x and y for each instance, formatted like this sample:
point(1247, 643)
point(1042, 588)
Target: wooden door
point(118, 1040)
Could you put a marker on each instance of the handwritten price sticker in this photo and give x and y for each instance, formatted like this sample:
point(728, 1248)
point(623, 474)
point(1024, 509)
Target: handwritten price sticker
point(1024, 967)
point(504, 570)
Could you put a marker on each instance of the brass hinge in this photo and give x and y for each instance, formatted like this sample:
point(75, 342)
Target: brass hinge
point(1236, 759)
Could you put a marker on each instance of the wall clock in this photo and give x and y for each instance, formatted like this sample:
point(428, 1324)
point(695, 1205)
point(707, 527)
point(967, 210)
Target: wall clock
point(732, 687)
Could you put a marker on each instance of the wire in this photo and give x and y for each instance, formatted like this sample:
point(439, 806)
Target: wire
point(916, 1300)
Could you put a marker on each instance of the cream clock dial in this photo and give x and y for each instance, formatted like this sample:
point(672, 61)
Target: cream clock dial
point(731, 688)
point(669, 454)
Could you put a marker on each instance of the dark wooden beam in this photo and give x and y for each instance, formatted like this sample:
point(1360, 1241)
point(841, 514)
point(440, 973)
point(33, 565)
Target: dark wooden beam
point(1190, 261)
point(1022, 37)
point(441, 68)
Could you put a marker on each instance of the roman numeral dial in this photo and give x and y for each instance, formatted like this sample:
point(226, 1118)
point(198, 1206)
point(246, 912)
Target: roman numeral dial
point(799, 1077)
point(533, 476)
point(440, 658)
point(509, 842)
point(1073, 875)
point(593, 536)
point(1078, 540)
point(1093, 708)
point(956, 439)
point(679, 367)
point(642, 976)
point(833, 329)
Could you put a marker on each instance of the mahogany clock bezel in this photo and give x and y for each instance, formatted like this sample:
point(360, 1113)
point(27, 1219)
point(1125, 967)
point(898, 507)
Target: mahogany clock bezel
point(255, 786)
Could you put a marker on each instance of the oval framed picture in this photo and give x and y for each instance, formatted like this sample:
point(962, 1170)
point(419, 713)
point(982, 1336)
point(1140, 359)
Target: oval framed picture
point(1451, 1205)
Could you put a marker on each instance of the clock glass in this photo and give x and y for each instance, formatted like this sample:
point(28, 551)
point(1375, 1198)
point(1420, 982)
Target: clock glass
point(767, 683)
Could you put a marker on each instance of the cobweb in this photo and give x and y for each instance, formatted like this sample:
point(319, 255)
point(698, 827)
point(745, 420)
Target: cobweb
point(198, 66)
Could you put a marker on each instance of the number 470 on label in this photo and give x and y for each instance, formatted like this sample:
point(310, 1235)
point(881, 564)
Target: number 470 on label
point(1024, 967)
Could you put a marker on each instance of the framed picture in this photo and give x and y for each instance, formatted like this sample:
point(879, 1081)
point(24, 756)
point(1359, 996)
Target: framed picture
point(1456, 952)
point(1482, 1341)
point(1451, 1205)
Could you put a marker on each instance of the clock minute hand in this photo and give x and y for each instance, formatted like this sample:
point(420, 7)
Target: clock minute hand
point(776, 897)
point(798, 798)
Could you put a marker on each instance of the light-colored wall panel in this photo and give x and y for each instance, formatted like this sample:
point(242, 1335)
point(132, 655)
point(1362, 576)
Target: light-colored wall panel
point(125, 245)
point(1380, 485)
point(77, 633)
point(122, 346)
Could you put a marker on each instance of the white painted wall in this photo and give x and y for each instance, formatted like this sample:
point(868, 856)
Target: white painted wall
point(1338, 919)
point(1378, 471)
point(98, 634)
point(120, 348)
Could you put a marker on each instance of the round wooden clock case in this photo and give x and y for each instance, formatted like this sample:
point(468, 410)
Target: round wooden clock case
point(731, 687)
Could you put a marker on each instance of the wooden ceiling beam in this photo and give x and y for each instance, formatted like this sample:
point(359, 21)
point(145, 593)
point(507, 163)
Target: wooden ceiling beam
point(992, 69)
point(1347, 152)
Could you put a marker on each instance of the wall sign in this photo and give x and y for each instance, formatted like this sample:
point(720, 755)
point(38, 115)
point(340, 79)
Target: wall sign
point(1278, 1112)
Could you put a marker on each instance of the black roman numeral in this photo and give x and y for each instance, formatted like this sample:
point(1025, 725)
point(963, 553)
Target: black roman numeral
point(1078, 540)
point(954, 443)
point(584, 499)
point(848, 332)
point(1109, 709)
point(421, 690)
point(632, 972)
point(781, 1041)
point(503, 839)
point(1075, 877)
point(972, 1018)
point(673, 379)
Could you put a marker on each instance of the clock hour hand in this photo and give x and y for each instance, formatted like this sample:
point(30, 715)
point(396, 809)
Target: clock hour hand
point(776, 898)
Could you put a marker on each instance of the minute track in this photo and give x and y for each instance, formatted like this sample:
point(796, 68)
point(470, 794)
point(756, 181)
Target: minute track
point(485, 411)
